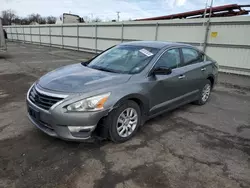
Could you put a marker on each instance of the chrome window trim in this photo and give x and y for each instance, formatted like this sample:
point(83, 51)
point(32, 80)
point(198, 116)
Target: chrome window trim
point(50, 94)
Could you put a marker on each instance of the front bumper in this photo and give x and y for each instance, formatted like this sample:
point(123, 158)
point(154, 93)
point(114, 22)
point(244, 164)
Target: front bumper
point(55, 122)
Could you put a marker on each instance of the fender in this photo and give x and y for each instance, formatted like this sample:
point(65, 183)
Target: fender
point(138, 98)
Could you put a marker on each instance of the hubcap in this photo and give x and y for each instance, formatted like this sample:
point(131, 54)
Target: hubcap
point(127, 122)
point(206, 92)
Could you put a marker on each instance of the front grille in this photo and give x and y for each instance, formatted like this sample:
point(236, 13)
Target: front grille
point(41, 100)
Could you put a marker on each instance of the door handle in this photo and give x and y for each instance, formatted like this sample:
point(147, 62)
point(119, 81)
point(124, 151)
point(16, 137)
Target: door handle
point(203, 69)
point(181, 76)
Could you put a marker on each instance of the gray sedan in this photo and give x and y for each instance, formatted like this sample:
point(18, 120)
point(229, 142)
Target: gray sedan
point(113, 94)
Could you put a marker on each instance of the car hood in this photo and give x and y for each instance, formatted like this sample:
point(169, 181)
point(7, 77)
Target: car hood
point(78, 78)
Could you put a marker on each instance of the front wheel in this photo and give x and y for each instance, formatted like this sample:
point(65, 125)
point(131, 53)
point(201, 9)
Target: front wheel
point(124, 121)
point(205, 93)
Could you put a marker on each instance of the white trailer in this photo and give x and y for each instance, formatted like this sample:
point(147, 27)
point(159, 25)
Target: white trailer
point(71, 18)
point(3, 46)
point(67, 18)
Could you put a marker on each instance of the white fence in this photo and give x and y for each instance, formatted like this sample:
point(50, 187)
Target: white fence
point(226, 39)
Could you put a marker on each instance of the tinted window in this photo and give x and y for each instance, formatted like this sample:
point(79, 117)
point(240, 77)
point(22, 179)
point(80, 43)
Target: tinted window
point(170, 59)
point(191, 56)
point(124, 59)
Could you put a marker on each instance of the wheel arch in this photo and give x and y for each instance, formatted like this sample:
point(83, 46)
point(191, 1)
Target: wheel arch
point(141, 100)
point(211, 79)
point(102, 130)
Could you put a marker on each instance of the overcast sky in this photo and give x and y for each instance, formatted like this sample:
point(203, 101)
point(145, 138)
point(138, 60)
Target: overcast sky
point(106, 9)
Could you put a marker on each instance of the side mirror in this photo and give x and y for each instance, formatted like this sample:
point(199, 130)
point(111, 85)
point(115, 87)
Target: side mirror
point(162, 71)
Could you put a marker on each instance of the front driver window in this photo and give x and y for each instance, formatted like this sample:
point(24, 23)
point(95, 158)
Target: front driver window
point(170, 59)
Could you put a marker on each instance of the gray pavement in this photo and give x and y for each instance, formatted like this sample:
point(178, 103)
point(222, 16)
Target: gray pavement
point(235, 81)
point(191, 147)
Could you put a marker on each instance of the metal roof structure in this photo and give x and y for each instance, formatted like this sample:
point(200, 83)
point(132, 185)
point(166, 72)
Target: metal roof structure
point(218, 11)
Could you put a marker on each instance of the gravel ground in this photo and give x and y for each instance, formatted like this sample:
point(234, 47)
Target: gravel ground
point(191, 147)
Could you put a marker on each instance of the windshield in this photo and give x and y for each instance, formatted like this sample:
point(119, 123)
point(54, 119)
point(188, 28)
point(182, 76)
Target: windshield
point(124, 59)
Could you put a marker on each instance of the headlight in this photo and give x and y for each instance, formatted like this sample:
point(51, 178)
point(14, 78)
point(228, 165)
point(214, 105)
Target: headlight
point(89, 104)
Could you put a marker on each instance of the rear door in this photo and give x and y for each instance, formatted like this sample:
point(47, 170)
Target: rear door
point(193, 68)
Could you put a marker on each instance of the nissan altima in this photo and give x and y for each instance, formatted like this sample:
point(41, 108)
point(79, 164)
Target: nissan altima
point(114, 93)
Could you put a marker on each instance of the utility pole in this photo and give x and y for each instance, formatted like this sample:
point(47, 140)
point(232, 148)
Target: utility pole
point(118, 16)
point(92, 17)
point(205, 12)
point(211, 6)
point(207, 26)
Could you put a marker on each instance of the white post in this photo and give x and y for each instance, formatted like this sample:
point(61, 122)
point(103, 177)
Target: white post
point(156, 30)
point(49, 36)
point(78, 37)
point(30, 35)
point(23, 35)
point(122, 32)
point(96, 38)
point(11, 33)
point(17, 34)
point(40, 41)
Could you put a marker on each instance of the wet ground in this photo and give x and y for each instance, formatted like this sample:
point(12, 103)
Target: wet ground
point(191, 147)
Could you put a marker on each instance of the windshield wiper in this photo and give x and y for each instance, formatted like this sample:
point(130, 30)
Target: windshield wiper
point(85, 63)
point(105, 69)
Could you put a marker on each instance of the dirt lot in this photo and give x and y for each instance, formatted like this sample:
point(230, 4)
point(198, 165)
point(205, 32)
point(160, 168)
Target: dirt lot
point(193, 146)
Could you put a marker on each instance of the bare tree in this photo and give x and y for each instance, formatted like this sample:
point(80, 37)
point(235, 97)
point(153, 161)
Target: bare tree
point(51, 20)
point(25, 21)
point(35, 18)
point(42, 21)
point(17, 21)
point(97, 20)
point(8, 16)
point(86, 19)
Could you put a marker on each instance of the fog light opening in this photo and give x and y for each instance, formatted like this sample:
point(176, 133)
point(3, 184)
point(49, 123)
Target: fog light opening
point(77, 129)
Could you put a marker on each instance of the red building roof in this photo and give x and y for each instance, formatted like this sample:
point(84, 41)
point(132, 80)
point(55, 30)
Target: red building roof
point(219, 11)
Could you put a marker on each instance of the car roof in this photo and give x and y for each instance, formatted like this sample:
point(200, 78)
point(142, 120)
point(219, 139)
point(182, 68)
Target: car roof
point(154, 44)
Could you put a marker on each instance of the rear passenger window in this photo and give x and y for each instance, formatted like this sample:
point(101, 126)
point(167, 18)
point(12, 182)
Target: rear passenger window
point(170, 59)
point(191, 56)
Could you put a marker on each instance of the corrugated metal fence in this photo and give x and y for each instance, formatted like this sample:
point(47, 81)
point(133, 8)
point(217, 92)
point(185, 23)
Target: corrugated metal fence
point(227, 39)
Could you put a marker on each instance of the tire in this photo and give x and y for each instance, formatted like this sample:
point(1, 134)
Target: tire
point(206, 90)
point(118, 114)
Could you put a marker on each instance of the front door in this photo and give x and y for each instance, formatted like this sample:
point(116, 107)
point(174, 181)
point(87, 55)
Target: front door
point(166, 88)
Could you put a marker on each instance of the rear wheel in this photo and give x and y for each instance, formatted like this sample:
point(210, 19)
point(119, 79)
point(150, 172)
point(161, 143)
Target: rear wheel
point(205, 93)
point(124, 121)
